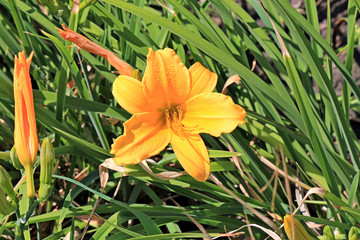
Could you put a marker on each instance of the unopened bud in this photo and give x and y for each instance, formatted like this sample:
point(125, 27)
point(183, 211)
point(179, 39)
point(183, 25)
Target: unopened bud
point(294, 229)
point(136, 74)
point(14, 159)
point(47, 157)
point(353, 233)
point(5, 183)
point(328, 233)
point(5, 207)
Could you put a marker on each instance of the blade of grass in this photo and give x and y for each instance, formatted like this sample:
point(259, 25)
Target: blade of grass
point(349, 56)
point(149, 225)
point(19, 25)
point(331, 102)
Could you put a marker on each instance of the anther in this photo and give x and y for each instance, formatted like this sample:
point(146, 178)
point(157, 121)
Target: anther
point(180, 110)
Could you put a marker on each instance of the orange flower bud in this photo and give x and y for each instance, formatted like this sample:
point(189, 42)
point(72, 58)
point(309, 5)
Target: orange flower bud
point(25, 134)
point(294, 229)
point(89, 46)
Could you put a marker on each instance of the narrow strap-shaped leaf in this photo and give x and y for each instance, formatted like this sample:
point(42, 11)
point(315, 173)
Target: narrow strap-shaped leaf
point(149, 225)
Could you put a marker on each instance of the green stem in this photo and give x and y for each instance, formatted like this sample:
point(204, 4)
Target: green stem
point(38, 227)
point(22, 221)
point(30, 187)
point(18, 225)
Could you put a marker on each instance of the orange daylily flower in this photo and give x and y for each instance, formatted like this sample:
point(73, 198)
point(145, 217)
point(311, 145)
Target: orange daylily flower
point(173, 105)
point(25, 134)
point(89, 46)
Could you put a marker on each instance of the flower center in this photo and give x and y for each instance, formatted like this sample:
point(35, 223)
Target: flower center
point(174, 117)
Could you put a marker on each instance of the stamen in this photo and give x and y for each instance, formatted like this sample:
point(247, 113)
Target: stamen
point(174, 118)
point(180, 111)
point(168, 119)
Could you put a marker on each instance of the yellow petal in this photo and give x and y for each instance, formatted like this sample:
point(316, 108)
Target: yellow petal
point(25, 134)
point(292, 225)
point(129, 93)
point(146, 134)
point(193, 155)
point(202, 79)
point(212, 113)
point(166, 79)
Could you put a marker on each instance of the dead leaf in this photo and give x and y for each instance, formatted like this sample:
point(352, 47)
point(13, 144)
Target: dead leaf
point(229, 81)
point(163, 175)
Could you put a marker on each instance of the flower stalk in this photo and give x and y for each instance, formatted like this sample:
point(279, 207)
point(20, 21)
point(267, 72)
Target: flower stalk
point(30, 185)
